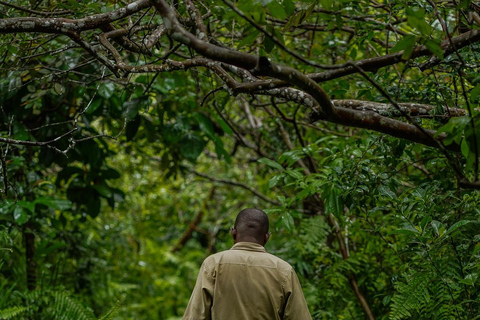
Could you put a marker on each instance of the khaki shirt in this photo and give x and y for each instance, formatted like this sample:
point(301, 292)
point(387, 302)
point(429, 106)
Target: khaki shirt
point(246, 283)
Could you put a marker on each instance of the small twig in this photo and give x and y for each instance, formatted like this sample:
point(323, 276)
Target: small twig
point(210, 93)
point(51, 52)
point(90, 49)
point(445, 28)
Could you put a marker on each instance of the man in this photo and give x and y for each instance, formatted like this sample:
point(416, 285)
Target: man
point(246, 282)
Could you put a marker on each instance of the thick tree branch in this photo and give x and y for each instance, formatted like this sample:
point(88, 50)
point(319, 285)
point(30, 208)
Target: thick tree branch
point(387, 109)
point(373, 121)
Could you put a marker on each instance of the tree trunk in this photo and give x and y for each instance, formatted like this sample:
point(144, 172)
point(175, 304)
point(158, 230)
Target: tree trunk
point(31, 266)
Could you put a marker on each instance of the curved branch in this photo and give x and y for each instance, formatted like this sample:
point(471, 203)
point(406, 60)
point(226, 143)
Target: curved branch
point(261, 66)
point(387, 109)
point(40, 13)
point(373, 121)
point(237, 184)
point(62, 25)
point(373, 64)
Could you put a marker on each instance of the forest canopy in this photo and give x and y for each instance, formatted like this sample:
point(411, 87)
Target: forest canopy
point(133, 132)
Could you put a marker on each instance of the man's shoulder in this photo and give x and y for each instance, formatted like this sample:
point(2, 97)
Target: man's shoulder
point(232, 256)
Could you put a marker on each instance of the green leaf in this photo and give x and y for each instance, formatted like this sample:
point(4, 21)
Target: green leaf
point(407, 44)
point(294, 174)
point(437, 226)
point(268, 44)
point(271, 163)
point(29, 205)
point(475, 93)
point(173, 132)
point(464, 148)
point(289, 6)
point(310, 9)
point(133, 106)
point(276, 10)
point(225, 127)
point(110, 173)
point(206, 125)
point(274, 180)
point(291, 156)
point(103, 190)
point(132, 128)
point(454, 129)
point(248, 40)
point(20, 131)
point(386, 192)
point(106, 90)
point(403, 231)
point(327, 4)
point(93, 206)
point(464, 4)
point(457, 225)
point(191, 146)
point(288, 222)
point(96, 103)
point(20, 215)
point(334, 204)
point(59, 89)
point(294, 20)
point(435, 48)
point(59, 204)
point(406, 228)
point(416, 19)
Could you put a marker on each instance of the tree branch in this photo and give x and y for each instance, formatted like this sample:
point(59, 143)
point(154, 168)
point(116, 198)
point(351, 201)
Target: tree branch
point(62, 25)
point(198, 217)
point(40, 13)
point(237, 184)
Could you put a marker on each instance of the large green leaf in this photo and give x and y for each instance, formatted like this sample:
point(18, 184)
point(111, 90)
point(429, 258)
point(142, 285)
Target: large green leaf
point(191, 146)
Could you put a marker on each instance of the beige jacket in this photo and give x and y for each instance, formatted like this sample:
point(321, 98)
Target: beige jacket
point(246, 283)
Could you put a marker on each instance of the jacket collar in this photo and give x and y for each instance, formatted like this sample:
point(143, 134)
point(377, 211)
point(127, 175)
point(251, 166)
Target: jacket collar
point(248, 246)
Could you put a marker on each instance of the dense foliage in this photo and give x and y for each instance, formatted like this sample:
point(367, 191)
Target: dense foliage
point(133, 132)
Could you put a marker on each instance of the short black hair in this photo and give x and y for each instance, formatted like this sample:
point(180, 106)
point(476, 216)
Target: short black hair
point(253, 222)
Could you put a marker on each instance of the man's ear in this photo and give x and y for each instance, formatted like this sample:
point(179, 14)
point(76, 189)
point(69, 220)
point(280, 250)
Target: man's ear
point(233, 232)
point(267, 236)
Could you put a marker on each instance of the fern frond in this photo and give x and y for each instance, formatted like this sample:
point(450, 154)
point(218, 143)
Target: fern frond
point(110, 313)
point(66, 308)
point(12, 312)
point(411, 296)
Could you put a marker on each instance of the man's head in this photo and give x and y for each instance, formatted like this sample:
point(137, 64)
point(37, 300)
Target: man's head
point(251, 225)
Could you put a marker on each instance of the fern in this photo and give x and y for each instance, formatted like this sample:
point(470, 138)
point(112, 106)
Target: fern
point(411, 296)
point(110, 313)
point(441, 308)
point(12, 312)
point(55, 305)
point(66, 308)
